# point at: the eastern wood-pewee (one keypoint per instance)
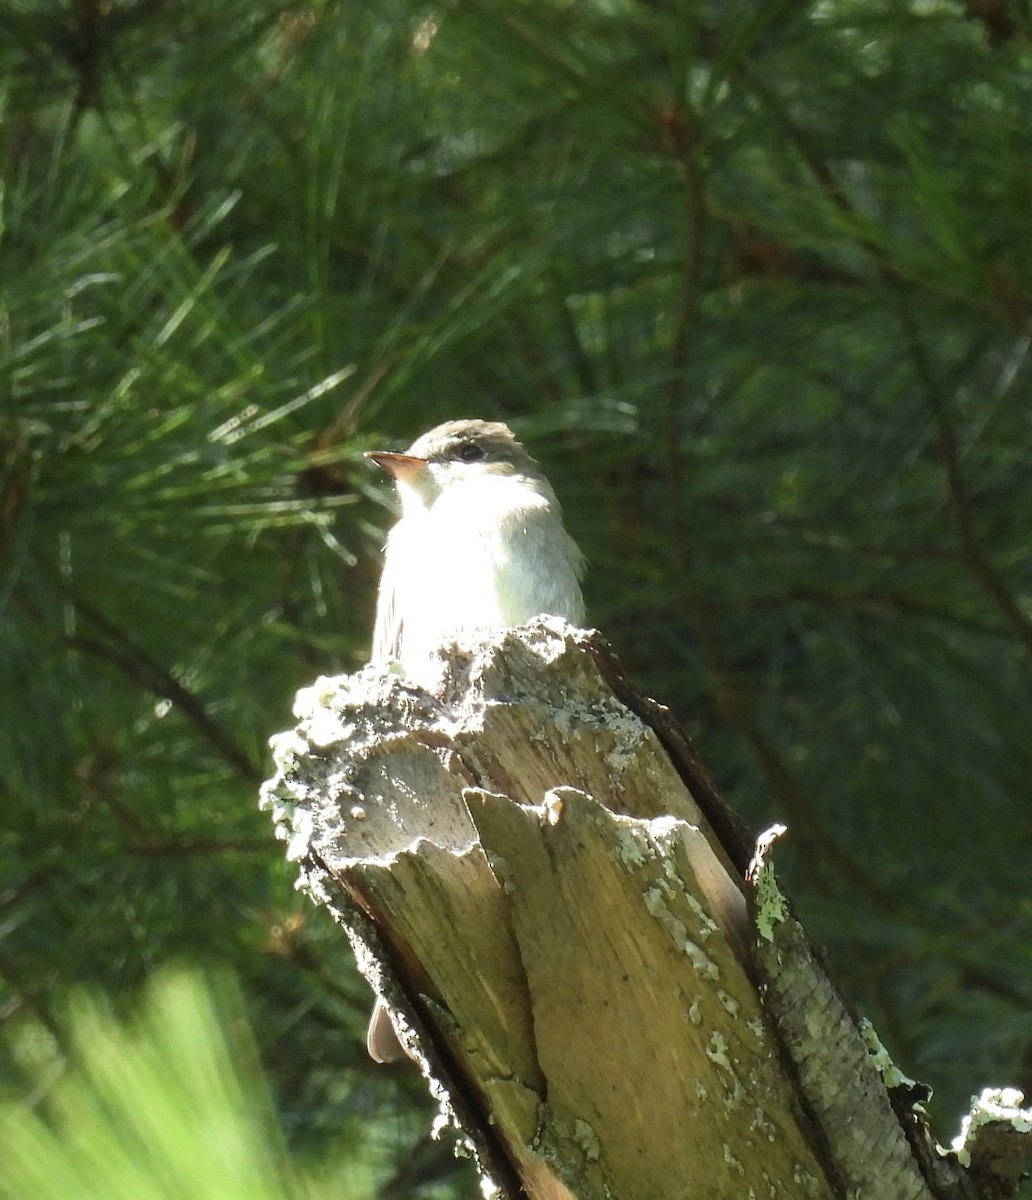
(480, 545)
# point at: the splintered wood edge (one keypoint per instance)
(627, 962)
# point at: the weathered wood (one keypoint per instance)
(551, 896)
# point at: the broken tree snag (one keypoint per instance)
(537, 876)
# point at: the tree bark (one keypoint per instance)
(606, 997)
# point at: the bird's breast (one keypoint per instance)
(484, 555)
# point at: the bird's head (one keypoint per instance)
(457, 451)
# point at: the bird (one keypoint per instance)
(480, 546)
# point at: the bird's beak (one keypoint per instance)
(399, 466)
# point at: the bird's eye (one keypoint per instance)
(470, 452)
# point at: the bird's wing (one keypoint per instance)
(551, 565)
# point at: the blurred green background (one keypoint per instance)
(752, 280)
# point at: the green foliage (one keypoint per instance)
(754, 282)
(166, 1107)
